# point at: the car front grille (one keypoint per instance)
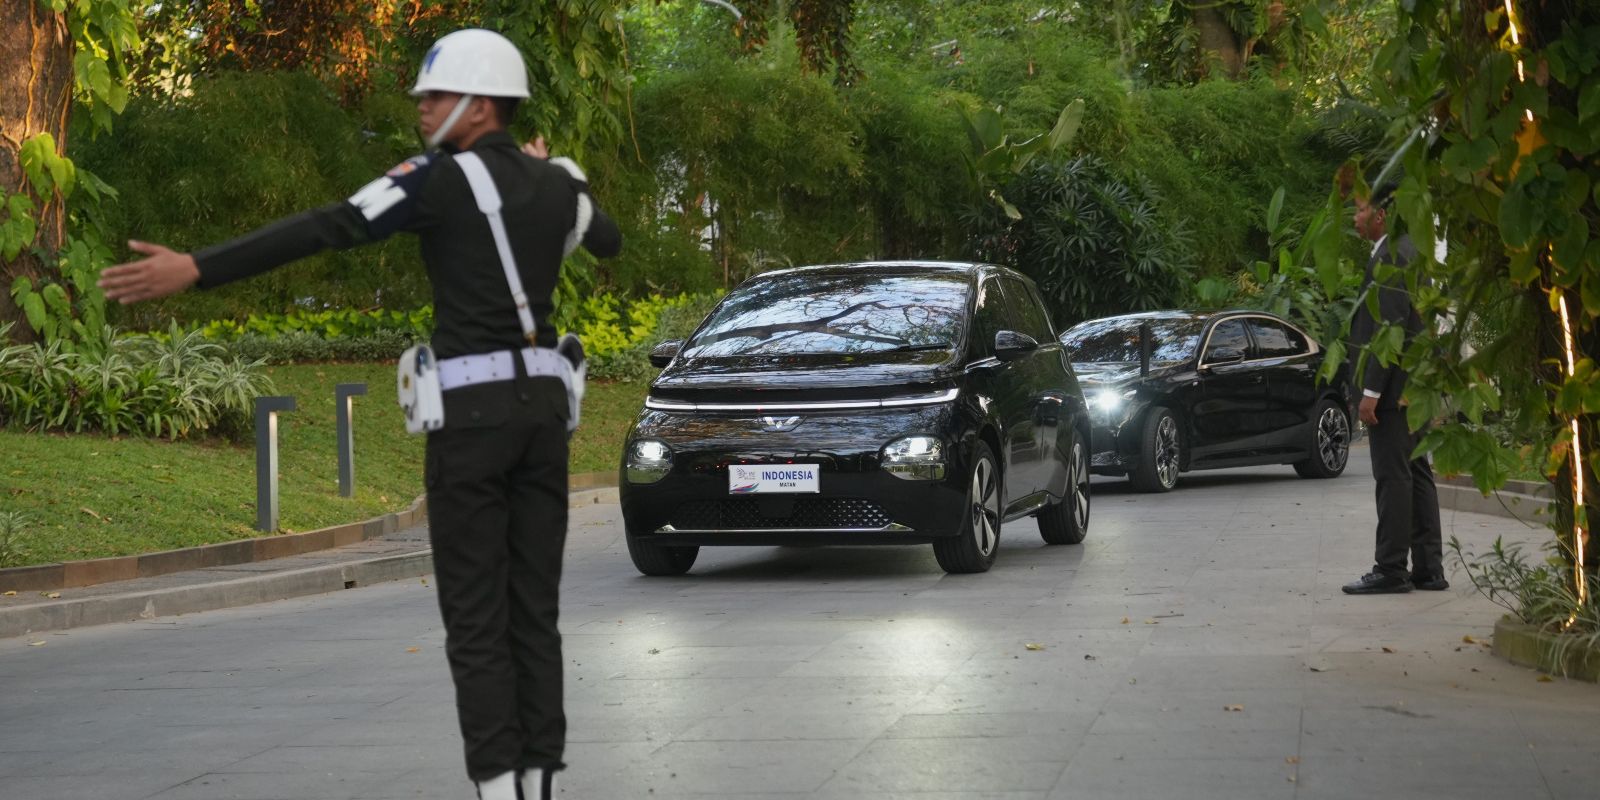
(780, 513)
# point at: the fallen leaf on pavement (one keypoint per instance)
(1388, 649)
(1124, 620)
(51, 595)
(1087, 657)
(39, 643)
(413, 649)
(11, 593)
(1152, 622)
(1292, 760)
(1034, 646)
(1233, 707)
(1469, 640)
(655, 651)
(1545, 679)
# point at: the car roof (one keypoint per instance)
(1176, 313)
(904, 267)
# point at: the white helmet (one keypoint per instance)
(474, 62)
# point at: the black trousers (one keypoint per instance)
(497, 509)
(1408, 502)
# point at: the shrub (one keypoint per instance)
(175, 386)
(1093, 240)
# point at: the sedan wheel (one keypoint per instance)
(1330, 443)
(973, 547)
(1067, 522)
(1161, 456)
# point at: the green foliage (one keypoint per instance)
(1502, 160)
(1314, 279)
(12, 527)
(176, 386)
(238, 152)
(1538, 594)
(1093, 240)
(618, 343)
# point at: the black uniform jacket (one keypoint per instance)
(1395, 308)
(428, 195)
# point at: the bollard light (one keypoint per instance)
(342, 394)
(267, 409)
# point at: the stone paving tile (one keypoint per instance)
(971, 764)
(1107, 776)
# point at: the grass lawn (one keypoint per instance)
(89, 496)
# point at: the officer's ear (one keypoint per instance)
(482, 112)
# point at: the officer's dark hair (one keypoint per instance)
(505, 109)
(1383, 194)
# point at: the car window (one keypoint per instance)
(1277, 340)
(987, 320)
(1027, 314)
(1228, 334)
(1115, 340)
(845, 312)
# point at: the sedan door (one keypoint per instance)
(1290, 363)
(1227, 415)
(1000, 381)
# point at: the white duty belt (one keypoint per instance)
(422, 379)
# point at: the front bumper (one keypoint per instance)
(857, 502)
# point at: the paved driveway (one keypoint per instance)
(1195, 646)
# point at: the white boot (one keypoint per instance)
(500, 787)
(538, 784)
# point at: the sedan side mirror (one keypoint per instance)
(1222, 356)
(1011, 345)
(662, 354)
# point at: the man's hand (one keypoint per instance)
(163, 272)
(1369, 410)
(537, 148)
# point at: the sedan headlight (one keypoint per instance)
(1107, 402)
(915, 458)
(649, 460)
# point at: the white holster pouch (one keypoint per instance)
(421, 395)
(424, 405)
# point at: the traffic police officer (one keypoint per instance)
(496, 473)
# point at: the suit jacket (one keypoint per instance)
(1394, 307)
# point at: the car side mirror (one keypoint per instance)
(662, 354)
(1011, 345)
(1223, 356)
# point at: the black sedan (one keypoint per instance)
(1172, 391)
(881, 403)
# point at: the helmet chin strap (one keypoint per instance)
(450, 122)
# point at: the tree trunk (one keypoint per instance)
(1222, 48)
(35, 97)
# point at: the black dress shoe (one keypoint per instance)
(1379, 583)
(1429, 583)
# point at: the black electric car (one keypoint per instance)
(877, 403)
(1172, 391)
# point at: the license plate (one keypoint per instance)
(773, 478)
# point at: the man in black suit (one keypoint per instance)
(1408, 502)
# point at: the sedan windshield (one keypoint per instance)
(802, 313)
(1116, 340)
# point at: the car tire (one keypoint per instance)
(660, 560)
(1329, 443)
(1067, 522)
(1160, 452)
(977, 540)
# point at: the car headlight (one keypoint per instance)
(1110, 401)
(915, 458)
(649, 460)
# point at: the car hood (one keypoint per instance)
(862, 372)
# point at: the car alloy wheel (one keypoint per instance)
(1166, 451)
(1080, 485)
(976, 540)
(1333, 439)
(985, 500)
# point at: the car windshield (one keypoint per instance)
(1116, 340)
(852, 312)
